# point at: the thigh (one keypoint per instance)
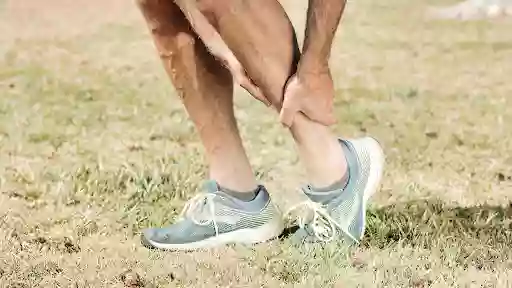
(185, 57)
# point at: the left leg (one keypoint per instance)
(220, 216)
(262, 37)
(343, 174)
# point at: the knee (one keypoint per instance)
(168, 26)
(165, 20)
(171, 47)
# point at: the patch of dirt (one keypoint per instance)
(131, 279)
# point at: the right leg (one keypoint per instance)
(206, 89)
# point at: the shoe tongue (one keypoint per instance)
(211, 186)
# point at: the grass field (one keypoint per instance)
(94, 146)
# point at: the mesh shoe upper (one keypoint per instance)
(214, 213)
(340, 212)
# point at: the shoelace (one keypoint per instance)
(323, 226)
(195, 204)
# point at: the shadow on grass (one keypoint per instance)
(481, 235)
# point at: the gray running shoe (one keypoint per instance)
(216, 218)
(342, 213)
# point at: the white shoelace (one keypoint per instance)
(197, 202)
(323, 226)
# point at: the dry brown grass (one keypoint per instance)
(94, 146)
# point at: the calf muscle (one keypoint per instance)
(262, 38)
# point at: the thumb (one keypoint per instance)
(288, 112)
(254, 90)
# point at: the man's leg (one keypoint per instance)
(262, 37)
(206, 89)
(344, 174)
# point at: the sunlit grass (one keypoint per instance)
(94, 146)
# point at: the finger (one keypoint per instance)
(287, 116)
(255, 91)
(288, 113)
(327, 120)
(245, 82)
(322, 116)
(318, 110)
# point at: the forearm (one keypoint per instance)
(323, 18)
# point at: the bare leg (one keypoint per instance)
(261, 36)
(206, 89)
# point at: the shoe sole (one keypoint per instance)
(376, 169)
(258, 235)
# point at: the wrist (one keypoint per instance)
(310, 65)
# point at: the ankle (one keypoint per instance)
(232, 170)
(326, 166)
(233, 183)
(320, 151)
(336, 186)
(245, 196)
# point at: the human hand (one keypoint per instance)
(311, 93)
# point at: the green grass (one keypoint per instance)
(94, 146)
